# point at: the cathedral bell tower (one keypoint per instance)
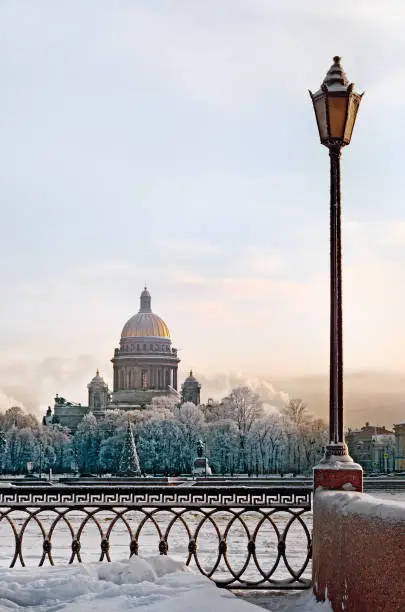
(98, 394)
(190, 390)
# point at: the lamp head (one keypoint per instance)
(336, 105)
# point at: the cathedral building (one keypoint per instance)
(145, 366)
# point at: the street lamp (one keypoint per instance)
(335, 105)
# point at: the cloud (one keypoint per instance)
(372, 234)
(33, 384)
(232, 53)
(257, 306)
(7, 401)
(374, 395)
(218, 386)
(264, 262)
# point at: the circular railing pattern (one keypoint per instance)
(207, 532)
(238, 536)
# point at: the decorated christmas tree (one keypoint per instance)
(3, 449)
(129, 462)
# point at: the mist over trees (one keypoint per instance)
(239, 433)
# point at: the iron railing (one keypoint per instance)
(240, 537)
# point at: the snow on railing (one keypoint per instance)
(240, 537)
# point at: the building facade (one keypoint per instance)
(373, 447)
(68, 414)
(400, 447)
(145, 365)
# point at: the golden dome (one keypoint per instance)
(145, 323)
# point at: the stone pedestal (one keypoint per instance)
(338, 471)
(201, 467)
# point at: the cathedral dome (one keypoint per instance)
(145, 323)
(97, 381)
(191, 378)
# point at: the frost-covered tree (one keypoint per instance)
(87, 444)
(110, 453)
(20, 449)
(191, 423)
(240, 436)
(112, 422)
(267, 438)
(61, 439)
(19, 418)
(223, 446)
(163, 402)
(53, 449)
(244, 407)
(296, 411)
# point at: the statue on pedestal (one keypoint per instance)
(201, 466)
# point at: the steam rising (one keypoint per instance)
(32, 385)
(377, 397)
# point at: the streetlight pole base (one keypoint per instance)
(337, 470)
(337, 449)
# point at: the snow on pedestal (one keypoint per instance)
(358, 552)
(129, 462)
(338, 472)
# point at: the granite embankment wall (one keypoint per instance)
(359, 552)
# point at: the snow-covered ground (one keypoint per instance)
(157, 584)
(152, 585)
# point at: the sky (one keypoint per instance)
(174, 142)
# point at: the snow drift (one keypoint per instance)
(157, 584)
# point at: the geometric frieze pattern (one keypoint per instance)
(237, 497)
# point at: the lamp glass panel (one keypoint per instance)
(321, 117)
(354, 102)
(337, 115)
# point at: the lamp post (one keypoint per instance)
(336, 105)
